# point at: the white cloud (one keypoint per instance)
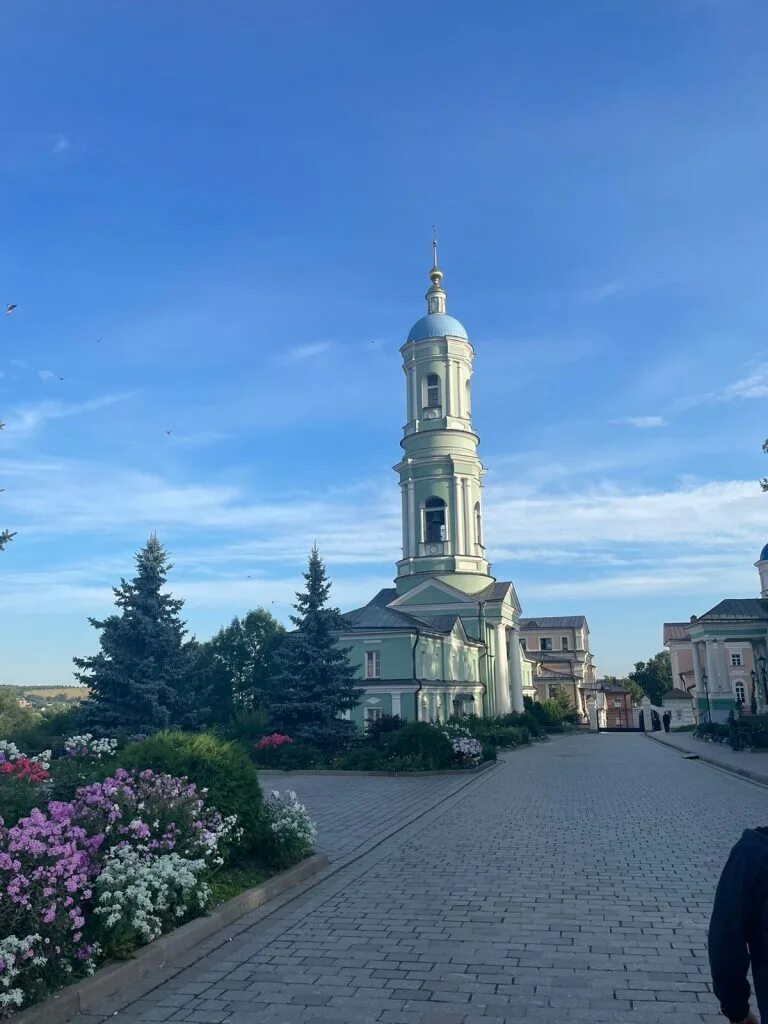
(61, 145)
(604, 291)
(46, 374)
(25, 420)
(302, 352)
(754, 386)
(643, 422)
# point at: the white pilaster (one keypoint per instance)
(404, 496)
(724, 676)
(413, 392)
(396, 704)
(412, 544)
(501, 670)
(468, 545)
(515, 671)
(458, 529)
(448, 402)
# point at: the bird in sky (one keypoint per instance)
(10, 308)
(1, 426)
(168, 432)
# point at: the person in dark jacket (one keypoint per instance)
(738, 930)
(667, 720)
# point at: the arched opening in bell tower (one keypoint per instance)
(434, 520)
(432, 391)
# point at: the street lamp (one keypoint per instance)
(705, 680)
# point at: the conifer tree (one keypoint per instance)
(314, 681)
(139, 679)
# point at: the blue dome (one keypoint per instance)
(764, 554)
(435, 325)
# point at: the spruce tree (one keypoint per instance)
(139, 679)
(314, 681)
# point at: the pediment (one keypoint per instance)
(433, 593)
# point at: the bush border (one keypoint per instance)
(83, 996)
(385, 775)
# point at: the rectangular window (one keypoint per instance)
(524, 643)
(736, 660)
(372, 715)
(563, 643)
(617, 702)
(372, 664)
(545, 643)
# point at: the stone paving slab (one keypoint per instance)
(753, 762)
(572, 884)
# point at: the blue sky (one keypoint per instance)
(216, 221)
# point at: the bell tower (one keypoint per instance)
(440, 472)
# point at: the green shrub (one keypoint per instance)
(405, 763)
(418, 739)
(221, 767)
(246, 725)
(18, 797)
(363, 759)
(489, 752)
(380, 727)
(526, 720)
(47, 732)
(289, 757)
(69, 773)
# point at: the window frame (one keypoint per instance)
(372, 714)
(432, 506)
(436, 386)
(373, 661)
(739, 686)
(565, 643)
(736, 660)
(543, 640)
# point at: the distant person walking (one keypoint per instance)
(667, 720)
(738, 930)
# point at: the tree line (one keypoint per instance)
(150, 674)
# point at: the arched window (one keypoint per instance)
(432, 391)
(434, 520)
(478, 525)
(740, 691)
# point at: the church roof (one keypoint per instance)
(736, 609)
(554, 622)
(676, 694)
(378, 616)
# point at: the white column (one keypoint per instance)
(458, 526)
(404, 495)
(712, 668)
(459, 389)
(697, 676)
(501, 670)
(413, 392)
(515, 671)
(468, 547)
(412, 545)
(448, 403)
(725, 677)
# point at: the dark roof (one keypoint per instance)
(676, 694)
(554, 622)
(613, 688)
(676, 631)
(737, 609)
(493, 592)
(372, 616)
(384, 597)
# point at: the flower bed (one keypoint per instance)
(125, 859)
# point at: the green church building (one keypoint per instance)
(446, 638)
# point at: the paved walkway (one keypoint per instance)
(572, 883)
(754, 763)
